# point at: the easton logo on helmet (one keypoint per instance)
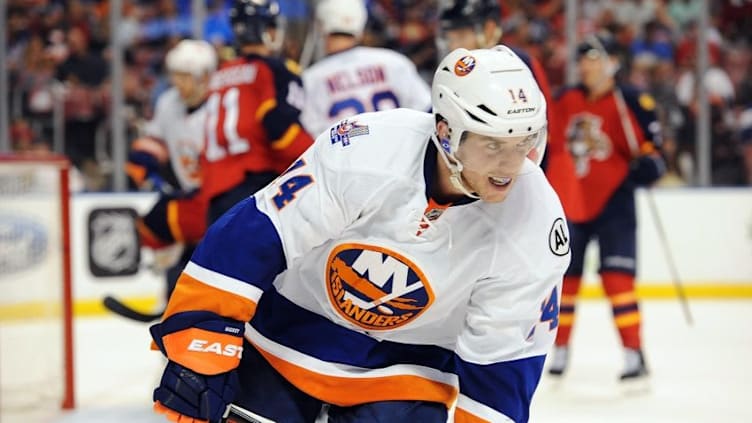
(375, 288)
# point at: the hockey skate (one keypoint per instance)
(635, 377)
(559, 361)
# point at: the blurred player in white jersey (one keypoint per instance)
(406, 268)
(353, 79)
(172, 140)
(166, 157)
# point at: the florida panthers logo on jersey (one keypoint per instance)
(587, 141)
(343, 131)
(375, 288)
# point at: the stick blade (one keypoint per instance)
(237, 414)
(118, 307)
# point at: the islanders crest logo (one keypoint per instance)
(375, 288)
(464, 65)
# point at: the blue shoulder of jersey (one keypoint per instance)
(243, 244)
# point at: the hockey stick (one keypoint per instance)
(669, 257)
(118, 307)
(310, 46)
(238, 414)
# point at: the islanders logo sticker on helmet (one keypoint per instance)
(375, 288)
(464, 65)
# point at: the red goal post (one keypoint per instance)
(36, 308)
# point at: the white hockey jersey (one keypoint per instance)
(181, 129)
(358, 80)
(360, 293)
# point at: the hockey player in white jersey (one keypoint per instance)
(353, 79)
(171, 141)
(407, 268)
(165, 159)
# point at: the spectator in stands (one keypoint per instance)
(726, 161)
(654, 45)
(745, 137)
(409, 27)
(34, 86)
(83, 74)
(683, 12)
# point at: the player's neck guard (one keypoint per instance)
(455, 167)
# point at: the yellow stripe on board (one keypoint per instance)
(659, 292)
(31, 309)
(94, 307)
(81, 308)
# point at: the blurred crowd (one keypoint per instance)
(59, 54)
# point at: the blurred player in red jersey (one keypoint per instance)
(253, 132)
(477, 24)
(613, 134)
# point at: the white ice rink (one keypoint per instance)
(701, 373)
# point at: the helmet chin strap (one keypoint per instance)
(455, 168)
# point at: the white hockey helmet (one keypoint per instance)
(195, 57)
(489, 92)
(342, 16)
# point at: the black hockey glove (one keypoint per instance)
(647, 169)
(183, 391)
(200, 379)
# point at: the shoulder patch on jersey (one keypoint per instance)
(646, 101)
(558, 238)
(344, 130)
(292, 66)
(375, 288)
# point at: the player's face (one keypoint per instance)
(191, 89)
(592, 68)
(491, 165)
(461, 38)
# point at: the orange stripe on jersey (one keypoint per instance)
(434, 205)
(569, 300)
(566, 319)
(347, 391)
(264, 108)
(624, 298)
(464, 416)
(136, 172)
(148, 238)
(647, 148)
(192, 295)
(287, 138)
(628, 319)
(206, 352)
(173, 221)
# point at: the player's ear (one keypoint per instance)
(442, 129)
